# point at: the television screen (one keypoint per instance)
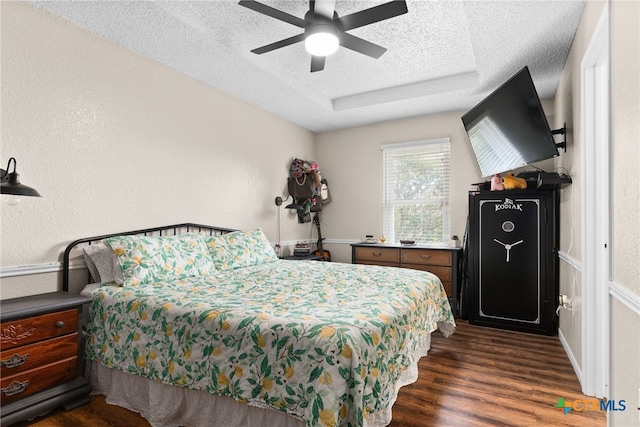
(508, 129)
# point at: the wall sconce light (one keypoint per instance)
(294, 206)
(10, 183)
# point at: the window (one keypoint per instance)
(415, 202)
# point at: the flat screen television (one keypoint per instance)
(508, 129)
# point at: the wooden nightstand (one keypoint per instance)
(443, 261)
(40, 356)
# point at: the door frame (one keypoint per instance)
(595, 130)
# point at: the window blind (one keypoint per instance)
(416, 191)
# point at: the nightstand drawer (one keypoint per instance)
(38, 328)
(18, 386)
(376, 254)
(25, 358)
(426, 256)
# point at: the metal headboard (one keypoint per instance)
(166, 230)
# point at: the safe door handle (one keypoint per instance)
(14, 361)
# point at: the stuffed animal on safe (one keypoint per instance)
(496, 183)
(514, 183)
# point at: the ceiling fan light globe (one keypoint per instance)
(321, 43)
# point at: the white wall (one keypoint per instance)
(351, 160)
(625, 210)
(114, 142)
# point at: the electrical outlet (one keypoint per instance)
(565, 302)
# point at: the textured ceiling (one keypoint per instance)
(442, 55)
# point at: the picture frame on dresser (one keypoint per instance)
(41, 356)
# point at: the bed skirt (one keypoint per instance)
(169, 406)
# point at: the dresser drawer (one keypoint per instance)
(27, 357)
(21, 385)
(444, 273)
(38, 328)
(426, 256)
(380, 263)
(376, 255)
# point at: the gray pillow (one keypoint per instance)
(102, 263)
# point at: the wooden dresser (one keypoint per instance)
(39, 357)
(443, 261)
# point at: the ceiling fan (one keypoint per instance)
(324, 30)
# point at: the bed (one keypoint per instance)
(204, 326)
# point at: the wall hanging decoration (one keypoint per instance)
(310, 192)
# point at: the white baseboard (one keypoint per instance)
(572, 359)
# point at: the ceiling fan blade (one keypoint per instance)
(274, 13)
(317, 63)
(278, 44)
(324, 8)
(362, 46)
(374, 14)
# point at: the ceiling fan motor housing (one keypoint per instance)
(322, 36)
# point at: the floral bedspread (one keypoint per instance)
(324, 342)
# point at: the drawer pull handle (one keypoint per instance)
(423, 256)
(15, 388)
(376, 253)
(14, 361)
(59, 324)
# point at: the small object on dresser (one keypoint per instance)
(302, 249)
(369, 239)
(407, 242)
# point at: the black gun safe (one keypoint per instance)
(513, 261)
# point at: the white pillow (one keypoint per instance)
(240, 249)
(148, 259)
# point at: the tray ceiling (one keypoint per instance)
(442, 55)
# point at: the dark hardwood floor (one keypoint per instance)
(478, 377)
